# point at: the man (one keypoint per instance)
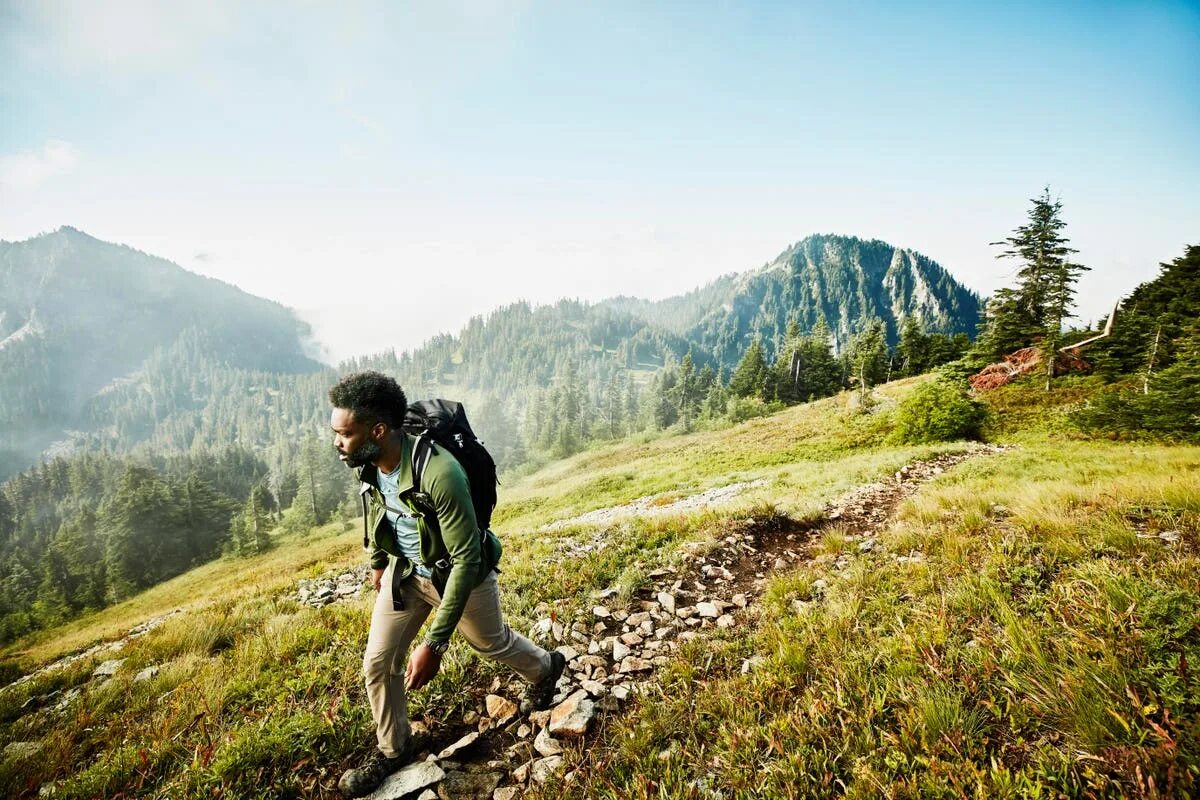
(425, 557)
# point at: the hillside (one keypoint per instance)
(907, 620)
(80, 317)
(841, 280)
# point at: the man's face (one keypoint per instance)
(357, 444)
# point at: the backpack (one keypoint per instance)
(443, 423)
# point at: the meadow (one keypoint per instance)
(1025, 628)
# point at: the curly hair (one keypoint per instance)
(372, 397)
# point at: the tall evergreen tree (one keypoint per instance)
(750, 375)
(1043, 297)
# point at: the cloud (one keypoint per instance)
(122, 36)
(31, 168)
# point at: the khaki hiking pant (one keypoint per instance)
(392, 633)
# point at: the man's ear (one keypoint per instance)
(379, 430)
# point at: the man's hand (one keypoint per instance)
(423, 664)
(377, 577)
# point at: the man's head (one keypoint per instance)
(367, 408)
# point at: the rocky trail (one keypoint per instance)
(612, 652)
(613, 648)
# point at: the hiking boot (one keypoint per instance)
(539, 695)
(364, 779)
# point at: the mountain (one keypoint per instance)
(842, 280)
(106, 347)
(80, 317)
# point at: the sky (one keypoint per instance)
(392, 169)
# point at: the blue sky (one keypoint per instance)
(332, 158)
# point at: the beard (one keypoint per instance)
(362, 455)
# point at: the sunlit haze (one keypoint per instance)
(392, 169)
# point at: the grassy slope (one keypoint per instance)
(1003, 660)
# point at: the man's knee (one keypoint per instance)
(377, 667)
(495, 645)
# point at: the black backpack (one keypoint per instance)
(443, 423)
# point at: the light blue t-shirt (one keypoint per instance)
(404, 524)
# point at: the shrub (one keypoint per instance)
(938, 411)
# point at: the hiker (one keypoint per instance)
(422, 561)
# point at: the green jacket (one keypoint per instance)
(450, 542)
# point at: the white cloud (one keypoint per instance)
(31, 168)
(125, 36)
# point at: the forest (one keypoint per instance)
(198, 458)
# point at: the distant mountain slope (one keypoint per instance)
(79, 316)
(843, 280)
(124, 350)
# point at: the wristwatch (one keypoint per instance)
(438, 647)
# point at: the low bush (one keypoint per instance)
(938, 411)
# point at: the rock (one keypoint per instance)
(631, 639)
(461, 744)
(592, 661)
(593, 647)
(740, 600)
(16, 751)
(620, 651)
(108, 668)
(146, 674)
(663, 633)
(546, 768)
(634, 664)
(752, 663)
(408, 781)
(539, 719)
(428, 794)
(866, 545)
(541, 629)
(725, 621)
(546, 744)
(521, 773)
(686, 612)
(523, 730)
(506, 793)
(602, 612)
(593, 688)
(781, 564)
(637, 619)
(707, 610)
(621, 692)
(604, 594)
(500, 709)
(569, 653)
(667, 601)
(472, 785)
(573, 716)
(1169, 536)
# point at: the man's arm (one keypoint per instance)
(451, 495)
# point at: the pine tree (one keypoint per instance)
(913, 348)
(750, 374)
(868, 357)
(1043, 297)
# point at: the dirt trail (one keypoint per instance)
(613, 653)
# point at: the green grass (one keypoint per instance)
(1042, 649)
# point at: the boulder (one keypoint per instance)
(573, 716)
(500, 709)
(461, 744)
(468, 785)
(409, 780)
(547, 768)
(546, 744)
